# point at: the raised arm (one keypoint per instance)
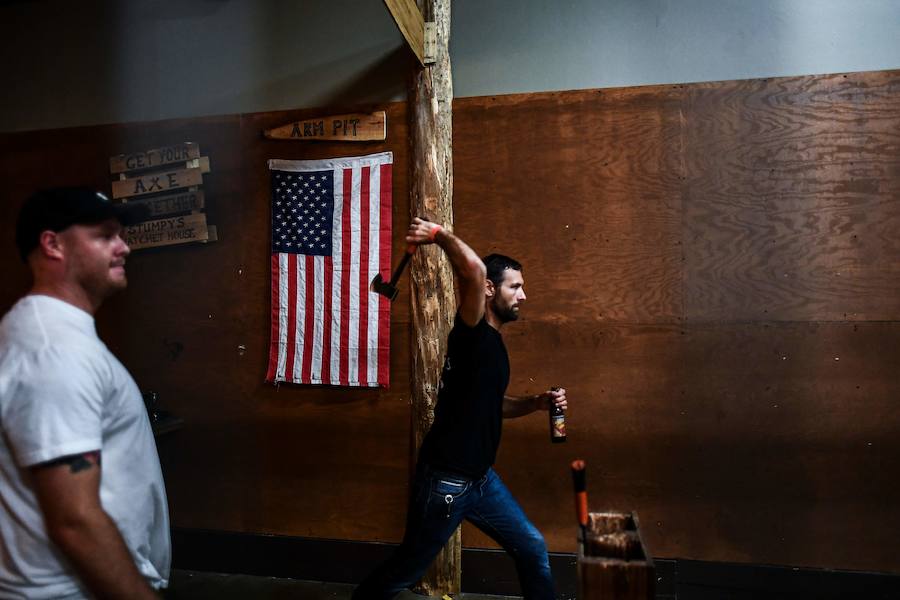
(68, 491)
(469, 270)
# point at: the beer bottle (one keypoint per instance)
(557, 421)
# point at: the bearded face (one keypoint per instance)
(504, 304)
(504, 311)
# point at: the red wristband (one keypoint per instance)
(434, 232)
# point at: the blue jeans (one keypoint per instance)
(438, 504)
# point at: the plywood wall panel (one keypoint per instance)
(730, 416)
(796, 445)
(790, 205)
(582, 187)
(734, 441)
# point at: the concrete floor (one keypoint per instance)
(197, 585)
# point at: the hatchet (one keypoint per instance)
(389, 289)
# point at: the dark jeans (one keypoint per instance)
(438, 504)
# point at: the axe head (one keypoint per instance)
(380, 286)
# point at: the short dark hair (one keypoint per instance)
(496, 264)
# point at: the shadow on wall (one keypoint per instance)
(384, 80)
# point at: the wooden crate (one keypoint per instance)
(614, 563)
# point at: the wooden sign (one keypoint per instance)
(165, 232)
(166, 181)
(353, 127)
(201, 163)
(169, 204)
(154, 158)
(157, 182)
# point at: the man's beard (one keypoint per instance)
(504, 313)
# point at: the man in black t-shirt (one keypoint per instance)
(454, 477)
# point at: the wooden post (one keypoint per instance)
(433, 297)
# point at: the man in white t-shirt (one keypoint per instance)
(83, 509)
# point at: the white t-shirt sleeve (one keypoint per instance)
(56, 410)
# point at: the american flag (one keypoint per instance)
(331, 233)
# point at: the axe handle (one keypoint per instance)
(581, 502)
(410, 250)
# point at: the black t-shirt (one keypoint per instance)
(469, 413)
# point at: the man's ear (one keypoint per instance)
(50, 245)
(489, 288)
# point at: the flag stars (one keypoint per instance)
(303, 210)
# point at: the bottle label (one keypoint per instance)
(559, 427)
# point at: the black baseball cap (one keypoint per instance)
(57, 209)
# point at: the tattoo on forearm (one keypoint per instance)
(77, 462)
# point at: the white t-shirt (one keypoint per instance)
(62, 392)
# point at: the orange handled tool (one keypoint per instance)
(581, 501)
